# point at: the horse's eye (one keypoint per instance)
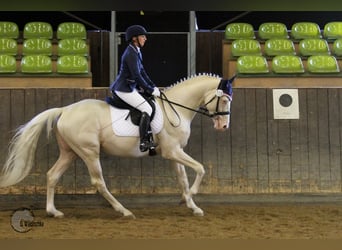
(224, 101)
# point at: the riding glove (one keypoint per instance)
(156, 92)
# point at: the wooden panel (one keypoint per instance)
(302, 161)
(5, 128)
(284, 155)
(334, 139)
(323, 139)
(251, 141)
(209, 52)
(299, 151)
(273, 147)
(99, 51)
(262, 139)
(313, 140)
(238, 130)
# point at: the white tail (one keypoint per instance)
(23, 147)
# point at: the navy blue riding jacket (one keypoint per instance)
(132, 73)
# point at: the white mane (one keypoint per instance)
(191, 78)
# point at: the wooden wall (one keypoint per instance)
(99, 56)
(209, 52)
(256, 155)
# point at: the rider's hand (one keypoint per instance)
(156, 92)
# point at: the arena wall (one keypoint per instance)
(258, 154)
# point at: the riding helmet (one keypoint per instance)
(135, 30)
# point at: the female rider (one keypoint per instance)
(133, 79)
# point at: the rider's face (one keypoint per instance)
(141, 40)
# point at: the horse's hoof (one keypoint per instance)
(198, 212)
(129, 216)
(59, 216)
(56, 214)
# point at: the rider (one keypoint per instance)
(133, 79)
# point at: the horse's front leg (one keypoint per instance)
(180, 159)
(182, 180)
(186, 194)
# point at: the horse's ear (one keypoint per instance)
(231, 80)
(229, 86)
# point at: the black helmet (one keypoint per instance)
(135, 30)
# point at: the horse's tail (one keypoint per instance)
(23, 146)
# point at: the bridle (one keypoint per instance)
(203, 110)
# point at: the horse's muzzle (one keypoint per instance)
(221, 124)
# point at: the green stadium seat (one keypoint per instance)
(252, 65)
(287, 64)
(302, 30)
(9, 30)
(337, 47)
(38, 30)
(37, 46)
(239, 31)
(8, 46)
(72, 46)
(71, 30)
(8, 64)
(281, 46)
(72, 64)
(241, 47)
(322, 64)
(272, 30)
(332, 30)
(36, 64)
(313, 46)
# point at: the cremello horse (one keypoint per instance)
(84, 127)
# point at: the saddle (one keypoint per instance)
(134, 113)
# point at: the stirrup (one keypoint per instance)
(146, 145)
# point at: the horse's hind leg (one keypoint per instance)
(66, 157)
(97, 180)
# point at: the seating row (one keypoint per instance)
(299, 30)
(285, 46)
(9, 46)
(43, 64)
(43, 30)
(287, 64)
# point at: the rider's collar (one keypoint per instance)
(136, 49)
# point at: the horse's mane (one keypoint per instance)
(181, 81)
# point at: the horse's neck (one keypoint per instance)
(192, 92)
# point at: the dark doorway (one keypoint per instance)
(165, 57)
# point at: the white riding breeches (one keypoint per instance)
(135, 100)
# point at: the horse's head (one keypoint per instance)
(218, 104)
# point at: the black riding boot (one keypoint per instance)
(146, 138)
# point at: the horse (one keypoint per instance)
(83, 128)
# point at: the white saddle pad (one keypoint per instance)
(124, 127)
